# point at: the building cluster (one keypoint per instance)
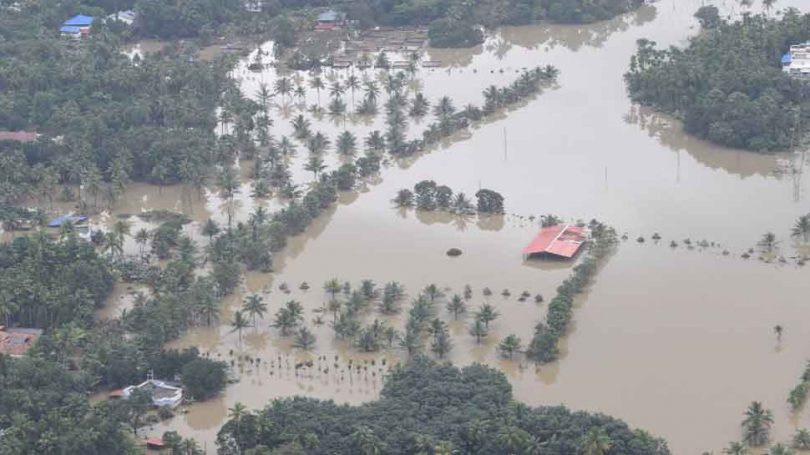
(79, 26)
(796, 62)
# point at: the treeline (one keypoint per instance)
(429, 196)
(727, 84)
(544, 344)
(430, 408)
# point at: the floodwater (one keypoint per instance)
(675, 341)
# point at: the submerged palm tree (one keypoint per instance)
(238, 323)
(317, 83)
(757, 424)
(801, 230)
(254, 306)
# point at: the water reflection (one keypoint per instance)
(669, 132)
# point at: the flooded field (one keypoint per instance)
(674, 341)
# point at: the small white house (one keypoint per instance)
(162, 393)
(796, 62)
(127, 17)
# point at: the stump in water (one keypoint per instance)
(453, 252)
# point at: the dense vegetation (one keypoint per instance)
(727, 84)
(429, 408)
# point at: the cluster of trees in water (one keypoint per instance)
(544, 345)
(427, 195)
(727, 85)
(756, 433)
(430, 408)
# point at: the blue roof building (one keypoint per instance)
(71, 30)
(787, 59)
(58, 222)
(79, 21)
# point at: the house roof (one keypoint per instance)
(20, 136)
(17, 341)
(560, 240)
(329, 16)
(155, 442)
(79, 21)
(70, 29)
(57, 222)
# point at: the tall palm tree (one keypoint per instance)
(254, 306)
(352, 83)
(375, 142)
(595, 442)
(304, 339)
(317, 83)
(301, 127)
(336, 90)
(315, 165)
(456, 305)
(510, 345)
(142, 238)
(333, 287)
(768, 243)
(346, 144)
(757, 424)
(479, 330)
(486, 313)
(801, 439)
(801, 230)
(210, 229)
(264, 96)
(372, 91)
(283, 86)
(238, 323)
(286, 146)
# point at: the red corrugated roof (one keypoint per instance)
(155, 442)
(21, 136)
(560, 240)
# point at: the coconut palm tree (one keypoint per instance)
(286, 146)
(352, 83)
(346, 144)
(801, 230)
(757, 424)
(371, 91)
(366, 442)
(332, 287)
(318, 143)
(300, 92)
(441, 343)
(336, 90)
(509, 346)
(375, 142)
(456, 305)
(304, 339)
(300, 127)
(433, 293)
(142, 238)
(315, 165)
(595, 442)
(254, 306)
(479, 330)
(264, 96)
(317, 83)
(238, 323)
(283, 86)
(486, 313)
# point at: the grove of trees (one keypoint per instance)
(727, 85)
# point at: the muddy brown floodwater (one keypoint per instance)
(674, 341)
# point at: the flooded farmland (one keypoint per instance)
(676, 341)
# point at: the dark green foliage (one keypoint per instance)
(469, 408)
(454, 33)
(44, 410)
(727, 84)
(48, 284)
(203, 378)
(585, 11)
(489, 201)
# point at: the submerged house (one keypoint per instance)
(796, 62)
(329, 20)
(77, 26)
(17, 341)
(163, 394)
(559, 241)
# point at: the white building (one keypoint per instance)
(127, 17)
(796, 62)
(162, 393)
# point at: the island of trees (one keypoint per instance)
(727, 85)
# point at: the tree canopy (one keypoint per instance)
(727, 84)
(424, 406)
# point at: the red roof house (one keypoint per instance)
(562, 240)
(19, 136)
